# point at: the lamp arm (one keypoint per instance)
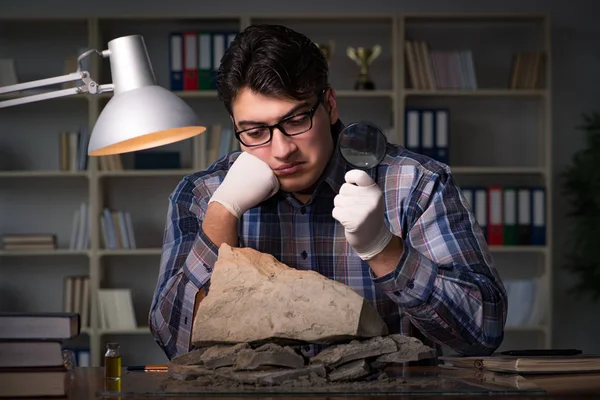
(89, 86)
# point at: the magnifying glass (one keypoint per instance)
(362, 144)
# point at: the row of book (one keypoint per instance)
(73, 148)
(29, 241)
(31, 349)
(76, 297)
(80, 228)
(116, 309)
(439, 69)
(427, 132)
(195, 57)
(117, 230)
(509, 216)
(527, 71)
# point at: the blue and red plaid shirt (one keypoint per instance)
(444, 285)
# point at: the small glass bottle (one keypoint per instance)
(112, 361)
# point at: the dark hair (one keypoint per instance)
(272, 60)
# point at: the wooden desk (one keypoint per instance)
(89, 383)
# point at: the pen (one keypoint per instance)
(148, 368)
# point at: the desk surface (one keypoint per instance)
(426, 382)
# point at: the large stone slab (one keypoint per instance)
(254, 298)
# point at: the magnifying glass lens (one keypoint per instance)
(362, 144)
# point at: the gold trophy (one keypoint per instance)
(327, 49)
(364, 57)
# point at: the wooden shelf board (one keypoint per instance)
(499, 170)
(43, 174)
(146, 173)
(130, 252)
(475, 93)
(58, 252)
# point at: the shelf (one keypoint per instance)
(43, 174)
(130, 252)
(519, 249)
(499, 170)
(59, 252)
(526, 328)
(475, 93)
(364, 93)
(212, 94)
(142, 330)
(146, 173)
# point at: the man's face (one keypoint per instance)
(297, 161)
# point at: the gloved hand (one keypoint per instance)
(359, 207)
(248, 182)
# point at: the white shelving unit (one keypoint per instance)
(484, 124)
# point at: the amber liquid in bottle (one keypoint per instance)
(112, 367)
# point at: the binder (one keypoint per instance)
(442, 138)
(176, 57)
(511, 236)
(524, 216)
(481, 209)
(219, 45)
(412, 139)
(427, 133)
(495, 223)
(205, 61)
(538, 212)
(190, 66)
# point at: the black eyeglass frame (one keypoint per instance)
(310, 113)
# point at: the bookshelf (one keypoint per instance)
(498, 136)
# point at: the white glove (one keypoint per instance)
(359, 207)
(248, 182)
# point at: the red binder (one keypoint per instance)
(495, 220)
(190, 61)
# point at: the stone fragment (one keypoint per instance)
(409, 349)
(186, 372)
(268, 355)
(271, 377)
(350, 371)
(222, 356)
(336, 355)
(192, 357)
(255, 298)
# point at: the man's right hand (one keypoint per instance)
(248, 182)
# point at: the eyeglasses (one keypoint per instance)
(290, 126)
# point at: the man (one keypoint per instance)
(400, 235)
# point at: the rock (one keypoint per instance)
(186, 372)
(192, 357)
(271, 377)
(350, 371)
(409, 349)
(255, 298)
(336, 355)
(222, 356)
(269, 355)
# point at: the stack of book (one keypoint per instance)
(31, 359)
(29, 242)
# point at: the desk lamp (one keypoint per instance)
(139, 116)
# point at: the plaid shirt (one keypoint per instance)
(444, 284)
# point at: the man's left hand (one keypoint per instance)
(360, 208)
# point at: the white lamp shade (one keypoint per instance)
(142, 118)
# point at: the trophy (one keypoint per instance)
(327, 49)
(364, 57)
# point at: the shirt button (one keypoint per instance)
(303, 210)
(304, 255)
(410, 284)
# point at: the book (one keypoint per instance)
(52, 325)
(527, 365)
